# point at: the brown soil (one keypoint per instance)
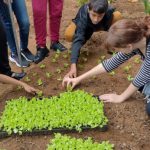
(129, 127)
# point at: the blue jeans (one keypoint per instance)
(20, 11)
(146, 92)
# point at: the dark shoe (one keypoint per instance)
(56, 46)
(27, 55)
(41, 54)
(18, 76)
(14, 58)
(148, 105)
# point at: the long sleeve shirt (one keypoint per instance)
(85, 29)
(143, 75)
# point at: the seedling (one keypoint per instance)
(58, 70)
(40, 94)
(42, 66)
(127, 68)
(19, 87)
(137, 60)
(101, 59)
(56, 56)
(34, 74)
(69, 110)
(84, 59)
(48, 74)
(59, 78)
(64, 142)
(69, 51)
(66, 65)
(130, 78)
(65, 56)
(112, 73)
(27, 79)
(54, 60)
(39, 82)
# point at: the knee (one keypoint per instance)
(70, 31)
(116, 16)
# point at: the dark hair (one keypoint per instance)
(98, 6)
(127, 31)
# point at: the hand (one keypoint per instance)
(7, 1)
(113, 98)
(70, 81)
(30, 89)
(73, 72)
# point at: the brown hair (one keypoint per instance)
(127, 31)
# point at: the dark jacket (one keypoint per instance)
(85, 29)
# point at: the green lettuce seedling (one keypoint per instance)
(69, 110)
(130, 78)
(64, 142)
(42, 66)
(39, 82)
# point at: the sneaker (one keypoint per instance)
(27, 55)
(148, 105)
(58, 46)
(14, 58)
(42, 52)
(15, 75)
(18, 76)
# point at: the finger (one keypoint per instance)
(75, 75)
(71, 76)
(68, 83)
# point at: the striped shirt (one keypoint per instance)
(143, 75)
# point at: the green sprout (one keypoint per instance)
(59, 78)
(58, 70)
(127, 68)
(65, 142)
(54, 60)
(130, 78)
(40, 94)
(27, 79)
(65, 56)
(137, 60)
(112, 73)
(48, 74)
(34, 74)
(42, 66)
(66, 65)
(39, 82)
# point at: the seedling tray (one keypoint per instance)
(4, 134)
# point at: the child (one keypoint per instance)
(6, 79)
(40, 18)
(20, 11)
(91, 17)
(4, 63)
(127, 34)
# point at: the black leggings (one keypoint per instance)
(4, 63)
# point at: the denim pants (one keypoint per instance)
(146, 92)
(4, 63)
(20, 11)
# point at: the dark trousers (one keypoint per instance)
(4, 63)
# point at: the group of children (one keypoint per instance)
(94, 16)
